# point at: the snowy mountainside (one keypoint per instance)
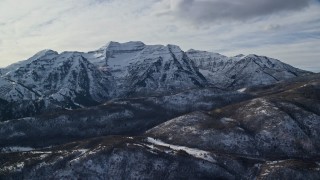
(115, 56)
(146, 69)
(71, 80)
(136, 111)
(242, 71)
(41, 54)
(163, 69)
(64, 77)
(282, 122)
(271, 133)
(12, 91)
(116, 69)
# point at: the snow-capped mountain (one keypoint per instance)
(157, 112)
(64, 77)
(145, 69)
(241, 71)
(115, 56)
(40, 54)
(163, 69)
(81, 79)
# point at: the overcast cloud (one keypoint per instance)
(219, 10)
(285, 29)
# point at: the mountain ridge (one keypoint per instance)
(74, 79)
(137, 111)
(255, 137)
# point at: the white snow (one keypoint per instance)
(17, 134)
(82, 155)
(204, 55)
(127, 46)
(41, 152)
(206, 73)
(15, 149)
(205, 155)
(318, 168)
(266, 172)
(274, 162)
(242, 90)
(227, 120)
(272, 165)
(15, 167)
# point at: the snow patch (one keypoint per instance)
(274, 162)
(227, 120)
(15, 149)
(16, 167)
(82, 153)
(205, 155)
(242, 90)
(206, 73)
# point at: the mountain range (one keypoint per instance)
(71, 80)
(137, 111)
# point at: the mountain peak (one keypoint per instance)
(127, 46)
(173, 46)
(251, 56)
(194, 51)
(43, 53)
(210, 56)
(239, 55)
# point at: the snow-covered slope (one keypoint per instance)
(77, 79)
(46, 53)
(64, 77)
(163, 69)
(12, 91)
(115, 56)
(283, 123)
(146, 69)
(242, 71)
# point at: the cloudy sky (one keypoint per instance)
(285, 29)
